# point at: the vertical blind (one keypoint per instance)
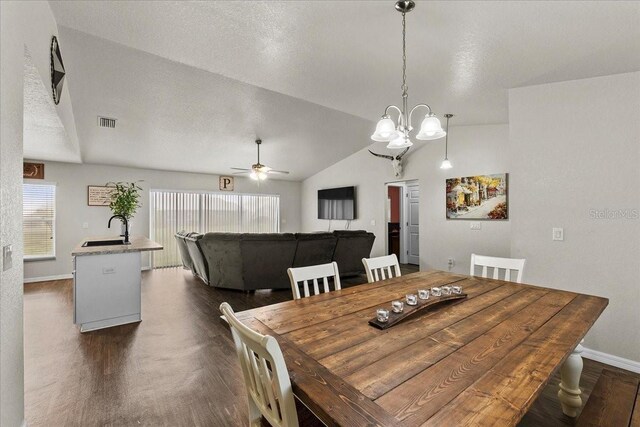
(38, 219)
(172, 211)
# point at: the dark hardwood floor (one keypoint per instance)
(175, 368)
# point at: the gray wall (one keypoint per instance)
(473, 150)
(72, 210)
(576, 148)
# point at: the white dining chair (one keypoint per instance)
(265, 374)
(313, 273)
(507, 264)
(376, 267)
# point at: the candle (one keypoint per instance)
(423, 293)
(397, 306)
(412, 299)
(436, 292)
(383, 315)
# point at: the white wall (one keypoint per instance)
(30, 25)
(576, 147)
(72, 210)
(473, 150)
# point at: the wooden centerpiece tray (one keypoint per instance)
(410, 310)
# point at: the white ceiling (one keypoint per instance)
(174, 117)
(193, 83)
(345, 55)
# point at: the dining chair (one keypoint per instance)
(313, 272)
(496, 263)
(376, 267)
(265, 374)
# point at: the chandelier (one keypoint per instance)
(397, 136)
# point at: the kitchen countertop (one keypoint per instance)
(138, 244)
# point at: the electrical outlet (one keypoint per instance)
(85, 225)
(557, 234)
(7, 257)
(476, 226)
(450, 263)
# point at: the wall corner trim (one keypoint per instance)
(610, 359)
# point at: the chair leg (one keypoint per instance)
(570, 393)
(255, 416)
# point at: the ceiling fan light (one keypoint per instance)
(401, 141)
(430, 129)
(262, 176)
(446, 164)
(385, 130)
(253, 175)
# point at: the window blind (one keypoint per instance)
(172, 211)
(39, 216)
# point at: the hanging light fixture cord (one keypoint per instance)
(405, 88)
(446, 139)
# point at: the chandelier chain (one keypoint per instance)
(404, 55)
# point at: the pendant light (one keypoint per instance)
(446, 164)
(397, 136)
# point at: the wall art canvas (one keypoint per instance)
(478, 197)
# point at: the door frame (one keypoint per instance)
(404, 217)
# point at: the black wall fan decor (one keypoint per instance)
(57, 70)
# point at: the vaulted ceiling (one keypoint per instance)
(192, 83)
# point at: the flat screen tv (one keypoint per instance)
(337, 203)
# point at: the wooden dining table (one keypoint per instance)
(482, 360)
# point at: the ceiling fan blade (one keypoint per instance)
(241, 169)
(242, 173)
(279, 172)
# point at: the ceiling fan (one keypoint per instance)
(258, 171)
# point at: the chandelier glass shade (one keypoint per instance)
(397, 135)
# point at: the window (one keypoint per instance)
(172, 211)
(39, 221)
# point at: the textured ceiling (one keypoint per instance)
(463, 56)
(45, 137)
(174, 117)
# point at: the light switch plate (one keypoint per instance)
(476, 226)
(558, 234)
(85, 225)
(7, 257)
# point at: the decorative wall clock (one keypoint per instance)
(57, 70)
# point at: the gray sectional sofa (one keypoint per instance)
(247, 261)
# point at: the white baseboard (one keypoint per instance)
(60, 277)
(610, 359)
(47, 278)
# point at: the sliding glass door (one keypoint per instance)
(172, 211)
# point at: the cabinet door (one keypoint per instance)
(107, 286)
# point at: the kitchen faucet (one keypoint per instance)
(126, 227)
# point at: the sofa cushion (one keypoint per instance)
(314, 249)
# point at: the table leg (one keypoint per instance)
(569, 393)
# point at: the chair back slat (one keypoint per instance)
(497, 264)
(265, 374)
(314, 272)
(381, 268)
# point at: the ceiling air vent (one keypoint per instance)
(106, 122)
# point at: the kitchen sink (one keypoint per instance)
(90, 243)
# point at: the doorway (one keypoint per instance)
(403, 223)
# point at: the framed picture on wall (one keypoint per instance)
(99, 195)
(480, 197)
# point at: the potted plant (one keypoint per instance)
(125, 200)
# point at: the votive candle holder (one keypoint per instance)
(412, 299)
(423, 293)
(383, 315)
(436, 291)
(397, 306)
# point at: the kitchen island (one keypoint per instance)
(107, 281)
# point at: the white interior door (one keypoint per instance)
(413, 224)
